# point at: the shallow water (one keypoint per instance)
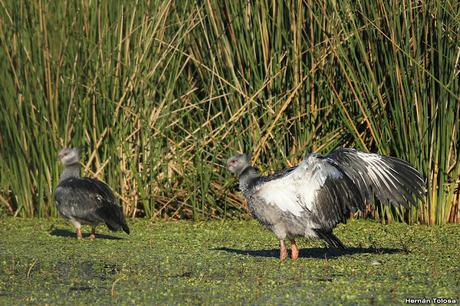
(230, 262)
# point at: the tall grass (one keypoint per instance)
(161, 93)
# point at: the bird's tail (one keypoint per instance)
(114, 218)
(125, 228)
(330, 238)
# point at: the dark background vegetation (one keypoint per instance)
(161, 93)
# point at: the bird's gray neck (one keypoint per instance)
(247, 177)
(70, 171)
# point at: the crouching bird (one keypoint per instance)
(84, 200)
(309, 200)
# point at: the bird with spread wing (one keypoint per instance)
(309, 200)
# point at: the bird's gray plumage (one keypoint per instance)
(84, 200)
(313, 197)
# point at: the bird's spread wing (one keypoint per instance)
(389, 179)
(328, 188)
(315, 187)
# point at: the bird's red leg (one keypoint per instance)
(93, 233)
(79, 235)
(283, 251)
(294, 250)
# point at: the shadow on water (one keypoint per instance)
(84, 271)
(80, 288)
(313, 252)
(67, 233)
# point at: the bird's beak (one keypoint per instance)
(230, 164)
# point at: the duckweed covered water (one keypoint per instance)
(223, 262)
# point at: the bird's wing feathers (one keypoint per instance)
(85, 198)
(329, 187)
(389, 179)
(315, 187)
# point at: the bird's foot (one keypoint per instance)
(79, 235)
(283, 251)
(294, 250)
(92, 236)
(283, 255)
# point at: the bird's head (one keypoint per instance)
(69, 156)
(238, 163)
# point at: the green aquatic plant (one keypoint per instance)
(223, 262)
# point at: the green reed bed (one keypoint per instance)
(161, 93)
